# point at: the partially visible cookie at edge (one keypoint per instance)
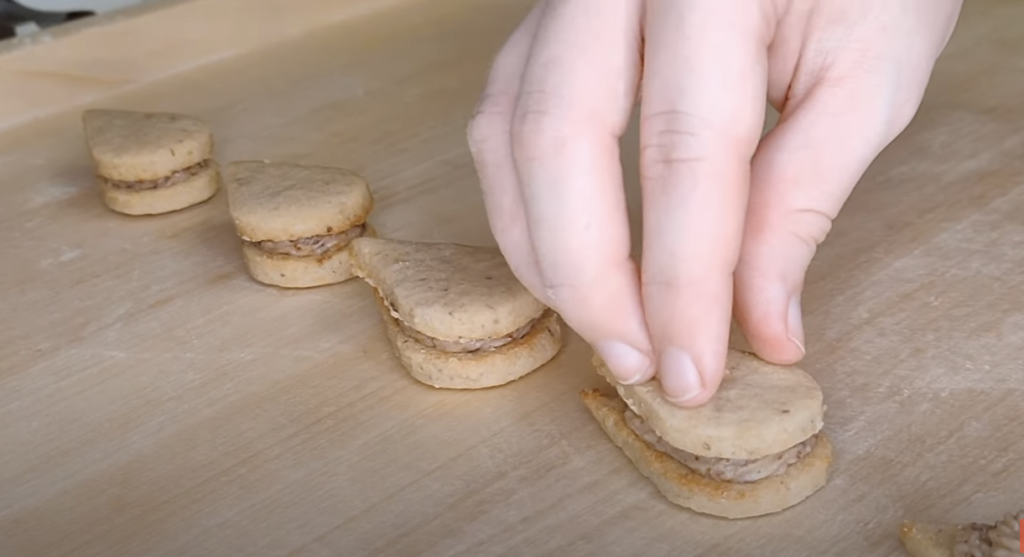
(1001, 539)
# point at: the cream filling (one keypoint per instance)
(171, 179)
(999, 540)
(466, 345)
(313, 246)
(722, 469)
(462, 345)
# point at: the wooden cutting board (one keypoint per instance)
(156, 401)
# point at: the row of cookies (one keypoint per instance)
(457, 318)
(456, 315)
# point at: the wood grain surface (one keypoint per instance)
(154, 400)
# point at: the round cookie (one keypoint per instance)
(285, 201)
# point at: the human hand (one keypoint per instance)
(731, 220)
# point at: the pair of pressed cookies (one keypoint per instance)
(456, 316)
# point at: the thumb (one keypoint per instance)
(801, 175)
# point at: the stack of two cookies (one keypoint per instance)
(756, 448)
(148, 163)
(296, 222)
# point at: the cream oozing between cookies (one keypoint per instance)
(463, 345)
(172, 179)
(311, 246)
(722, 469)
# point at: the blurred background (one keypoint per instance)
(20, 18)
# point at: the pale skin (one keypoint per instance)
(731, 219)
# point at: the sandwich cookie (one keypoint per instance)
(456, 316)
(151, 163)
(296, 221)
(1001, 539)
(755, 448)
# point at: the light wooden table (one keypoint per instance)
(156, 401)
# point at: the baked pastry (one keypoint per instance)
(1001, 539)
(755, 448)
(456, 315)
(149, 163)
(297, 221)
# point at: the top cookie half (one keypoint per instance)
(134, 146)
(446, 291)
(759, 409)
(285, 201)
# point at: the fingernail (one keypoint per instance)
(795, 324)
(625, 360)
(677, 368)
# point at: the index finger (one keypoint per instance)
(704, 99)
(575, 102)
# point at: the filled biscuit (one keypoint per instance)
(456, 315)
(296, 221)
(149, 163)
(755, 448)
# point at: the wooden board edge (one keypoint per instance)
(77, 63)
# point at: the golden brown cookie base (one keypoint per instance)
(288, 271)
(474, 370)
(193, 191)
(690, 490)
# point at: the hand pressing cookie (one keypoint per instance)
(151, 163)
(756, 448)
(1001, 539)
(297, 221)
(456, 315)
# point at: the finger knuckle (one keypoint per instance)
(670, 144)
(888, 96)
(903, 113)
(540, 128)
(810, 226)
(487, 126)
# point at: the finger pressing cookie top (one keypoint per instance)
(297, 221)
(756, 448)
(151, 162)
